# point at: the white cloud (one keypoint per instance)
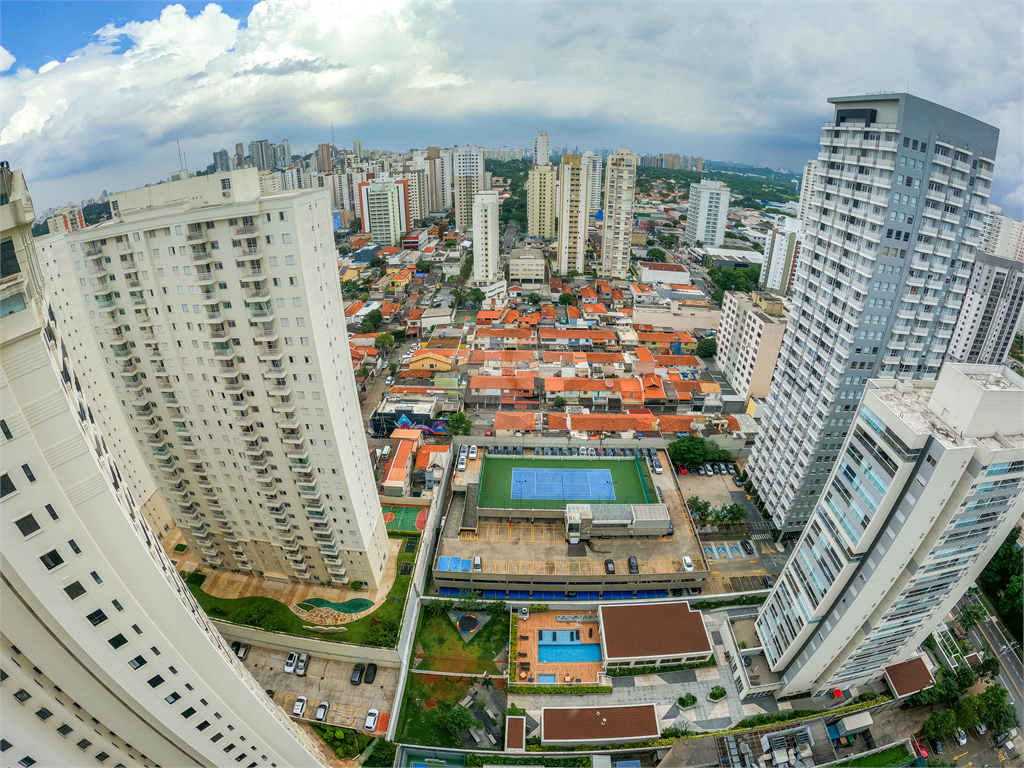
(6, 59)
(750, 76)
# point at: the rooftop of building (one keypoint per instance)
(909, 677)
(597, 724)
(669, 629)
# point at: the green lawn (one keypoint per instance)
(496, 491)
(897, 755)
(446, 652)
(279, 613)
(418, 723)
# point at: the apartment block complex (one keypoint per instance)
(106, 655)
(749, 338)
(620, 185)
(68, 219)
(806, 186)
(218, 313)
(894, 223)
(1002, 235)
(990, 313)
(526, 268)
(573, 204)
(926, 488)
(541, 202)
(486, 245)
(468, 170)
(707, 214)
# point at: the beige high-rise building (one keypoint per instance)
(323, 158)
(468, 166)
(542, 148)
(107, 657)
(573, 205)
(749, 337)
(541, 202)
(218, 313)
(620, 185)
(419, 203)
(486, 245)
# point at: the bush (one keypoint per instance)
(258, 615)
(383, 754)
(180, 547)
(686, 701)
(514, 711)
(675, 733)
(536, 688)
(193, 578)
(478, 761)
(717, 693)
(384, 635)
(355, 586)
(632, 671)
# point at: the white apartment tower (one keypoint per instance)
(990, 313)
(781, 251)
(749, 337)
(1001, 235)
(468, 165)
(707, 213)
(541, 202)
(806, 185)
(486, 245)
(106, 655)
(620, 184)
(542, 148)
(357, 149)
(573, 204)
(384, 207)
(895, 217)
(927, 487)
(218, 312)
(594, 164)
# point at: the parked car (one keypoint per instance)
(767, 582)
(609, 566)
(634, 567)
(488, 433)
(701, 471)
(472, 452)
(371, 673)
(746, 661)
(464, 450)
(462, 464)
(371, 721)
(591, 452)
(575, 450)
(687, 563)
(300, 706)
(303, 665)
(243, 651)
(564, 451)
(681, 469)
(357, 674)
(269, 692)
(747, 547)
(519, 450)
(235, 646)
(290, 662)
(731, 468)
(736, 481)
(937, 744)
(657, 469)
(321, 711)
(961, 737)
(389, 379)
(981, 729)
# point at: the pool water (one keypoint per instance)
(355, 605)
(547, 679)
(569, 652)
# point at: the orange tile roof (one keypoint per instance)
(683, 337)
(416, 314)
(640, 288)
(643, 354)
(351, 309)
(595, 309)
(578, 384)
(602, 422)
(548, 311)
(588, 293)
(504, 333)
(691, 361)
(573, 313)
(397, 469)
(653, 387)
(388, 251)
(586, 357)
(426, 453)
(432, 351)
(582, 333)
(488, 314)
(479, 356)
(520, 380)
(523, 422)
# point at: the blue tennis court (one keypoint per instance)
(574, 484)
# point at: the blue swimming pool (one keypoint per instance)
(569, 652)
(547, 679)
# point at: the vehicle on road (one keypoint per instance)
(472, 452)
(357, 674)
(389, 380)
(302, 665)
(321, 711)
(609, 566)
(488, 433)
(290, 662)
(371, 673)
(371, 721)
(269, 692)
(300, 706)
(736, 481)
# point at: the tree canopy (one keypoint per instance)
(707, 347)
(566, 299)
(1003, 578)
(459, 424)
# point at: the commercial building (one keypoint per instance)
(707, 214)
(990, 313)
(468, 169)
(486, 245)
(542, 148)
(749, 338)
(781, 251)
(218, 314)
(620, 185)
(526, 268)
(573, 206)
(541, 202)
(107, 656)
(880, 283)
(927, 488)
(384, 209)
(594, 164)
(673, 634)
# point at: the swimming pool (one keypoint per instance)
(569, 652)
(547, 679)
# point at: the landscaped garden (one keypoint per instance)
(380, 628)
(468, 643)
(897, 755)
(431, 714)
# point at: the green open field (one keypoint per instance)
(445, 651)
(496, 481)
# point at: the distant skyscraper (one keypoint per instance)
(594, 164)
(239, 155)
(707, 213)
(620, 184)
(486, 246)
(889, 241)
(700, 165)
(806, 185)
(357, 148)
(573, 197)
(542, 149)
(468, 165)
(286, 151)
(540, 202)
(323, 158)
(259, 155)
(990, 313)
(222, 161)
(1002, 236)
(506, 154)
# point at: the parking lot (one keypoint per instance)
(326, 680)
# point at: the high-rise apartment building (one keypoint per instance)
(594, 164)
(468, 168)
(438, 165)
(781, 251)
(221, 161)
(749, 337)
(107, 656)
(990, 313)
(542, 148)
(239, 155)
(486, 245)
(384, 208)
(217, 312)
(419, 204)
(699, 166)
(707, 213)
(573, 205)
(1001, 235)
(68, 219)
(286, 152)
(357, 149)
(926, 489)
(897, 203)
(806, 185)
(260, 156)
(620, 185)
(541, 202)
(324, 161)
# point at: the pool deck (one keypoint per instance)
(587, 671)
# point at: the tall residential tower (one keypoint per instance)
(468, 166)
(541, 203)
(486, 245)
(707, 213)
(573, 203)
(620, 185)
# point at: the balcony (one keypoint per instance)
(253, 294)
(266, 333)
(217, 332)
(280, 390)
(209, 296)
(238, 402)
(251, 271)
(196, 236)
(273, 371)
(223, 349)
(98, 267)
(246, 229)
(138, 299)
(205, 276)
(121, 350)
(93, 250)
(200, 255)
(261, 311)
(106, 300)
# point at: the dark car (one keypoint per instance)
(609, 566)
(357, 674)
(747, 547)
(234, 647)
(767, 582)
(937, 743)
(634, 567)
(371, 673)
(737, 482)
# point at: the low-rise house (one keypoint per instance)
(643, 294)
(508, 423)
(583, 339)
(414, 323)
(516, 391)
(597, 395)
(500, 362)
(656, 272)
(599, 424)
(504, 338)
(434, 360)
(430, 465)
(670, 343)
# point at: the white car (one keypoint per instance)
(300, 707)
(371, 721)
(321, 711)
(289, 664)
(300, 668)
(472, 452)
(687, 563)
(961, 736)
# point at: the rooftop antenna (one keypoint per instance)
(332, 130)
(181, 165)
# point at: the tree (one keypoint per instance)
(384, 339)
(965, 676)
(573, 273)
(476, 297)
(398, 335)
(438, 607)
(450, 243)
(466, 269)
(355, 226)
(424, 266)
(364, 296)
(656, 254)
(393, 368)
(455, 719)
(707, 347)
(690, 451)
(1001, 715)
(375, 317)
(939, 724)
(349, 288)
(376, 262)
(698, 506)
(367, 326)
(968, 711)
(534, 298)
(471, 600)
(971, 615)
(496, 608)
(459, 424)
(362, 372)
(989, 668)
(565, 299)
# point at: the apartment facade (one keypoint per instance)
(707, 214)
(542, 202)
(218, 313)
(1002, 235)
(749, 338)
(486, 245)
(781, 251)
(384, 208)
(526, 268)
(927, 488)
(468, 168)
(107, 656)
(68, 219)
(897, 204)
(620, 186)
(542, 148)
(806, 185)
(573, 209)
(991, 311)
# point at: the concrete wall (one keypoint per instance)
(386, 657)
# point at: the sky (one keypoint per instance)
(94, 95)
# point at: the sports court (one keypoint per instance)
(523, 482)
(406, 519)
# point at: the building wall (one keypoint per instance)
(542, 148)
(541, 202)
(468, 169)
(749, 340)
(990, 313)
(620, 185)
(707, 213)
(781, 250)
(486, 246)
(594, 164)
(573, 204)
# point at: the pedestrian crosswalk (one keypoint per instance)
(762, 537)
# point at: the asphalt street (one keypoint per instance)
(991, 632)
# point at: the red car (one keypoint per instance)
(682, 469)
(488, 433)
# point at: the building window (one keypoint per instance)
(5, 430)
(22, 695)
(74, 590)
(137, 662)
(65, 729)
(116, 605)
(6, 486)
(43, 713)
(28, 473)
(117, 641)
(188, 713)
(51, 559)
(172, 698)
(74, 547)
(97, 617)
(155, 681)
(84, 744)
(27, 525)
(26, 761)
(96, 577)
(52, 511)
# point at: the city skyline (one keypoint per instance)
(245, 86)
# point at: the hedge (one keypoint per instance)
(710, 605)
(632, 671)
(537, 688)
(804, 714)
(478, 761)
